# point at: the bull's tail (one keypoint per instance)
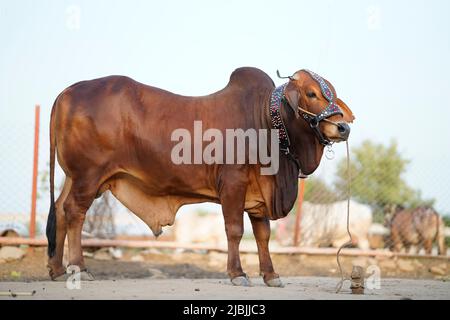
(442, 248)
(51, 220)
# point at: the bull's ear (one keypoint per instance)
(348, 114)
(292, 95)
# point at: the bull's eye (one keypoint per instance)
(311, 94)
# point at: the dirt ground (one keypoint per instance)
(135, 264)
(211, 289)
(168, 274)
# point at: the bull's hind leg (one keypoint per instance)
(78, 201)
(55, 263)
(261, 230)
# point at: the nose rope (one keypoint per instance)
(315, 115)
(348, 243)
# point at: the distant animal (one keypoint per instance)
(116, 134)
(325, 225)
(418, 227)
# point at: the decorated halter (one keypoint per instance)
(332, 107)
(277, 120)
(278, 98)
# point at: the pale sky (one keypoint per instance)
(388, 60)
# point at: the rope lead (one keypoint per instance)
(348, 243)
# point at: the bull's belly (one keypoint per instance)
(156, 211)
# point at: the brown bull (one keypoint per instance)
(114, 134)
(416, 227)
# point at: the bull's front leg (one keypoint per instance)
(232, 198)
(261, 230)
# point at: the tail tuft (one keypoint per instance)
(51, 230)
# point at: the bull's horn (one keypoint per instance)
(288, 77)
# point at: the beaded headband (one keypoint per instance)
(332, 108)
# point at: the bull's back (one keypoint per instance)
(118, 124)
(88, 122)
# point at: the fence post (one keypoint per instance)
(301, 192)
(37, 109)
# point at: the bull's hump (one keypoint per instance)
(249, 76)
(102, 81)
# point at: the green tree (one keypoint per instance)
(446, 219)
(377, 177)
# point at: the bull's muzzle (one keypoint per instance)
(344, 130)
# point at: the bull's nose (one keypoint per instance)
(344, 130)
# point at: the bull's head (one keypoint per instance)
(314, 99)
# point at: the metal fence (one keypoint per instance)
(320, 221)
(385, 213)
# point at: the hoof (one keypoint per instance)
(56, 273)
(61, 278)
(84, 275)
(275, 282)
(242, 281)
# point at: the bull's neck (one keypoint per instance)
(304, 144)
